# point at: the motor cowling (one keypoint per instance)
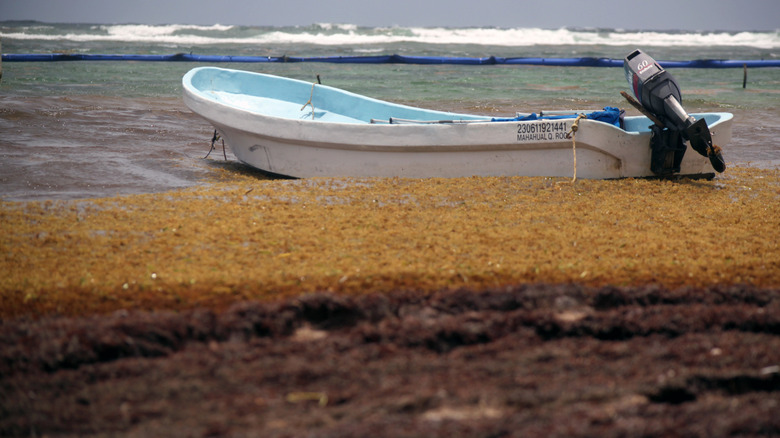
(654, 87)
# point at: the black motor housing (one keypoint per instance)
(653, 85)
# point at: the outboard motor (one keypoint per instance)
(659, 94)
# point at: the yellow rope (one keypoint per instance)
(574, 127)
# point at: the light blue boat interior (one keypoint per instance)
(283, 97)
(642, 124)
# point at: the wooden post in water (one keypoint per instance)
(744, 75)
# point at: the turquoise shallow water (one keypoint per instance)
(83, 129)
(507, 85)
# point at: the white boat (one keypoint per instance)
(300, 129)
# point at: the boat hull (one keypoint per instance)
(268, 124)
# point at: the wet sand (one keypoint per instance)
(393, 307)
(77, 147)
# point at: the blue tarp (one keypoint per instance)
(609, 115)
(388, 59)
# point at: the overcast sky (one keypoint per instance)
(704, 15)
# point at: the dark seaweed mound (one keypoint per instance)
(533, 360)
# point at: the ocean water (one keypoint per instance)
(81, 129)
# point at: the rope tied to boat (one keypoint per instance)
(309, 101)
(216, 137)
(573, 132)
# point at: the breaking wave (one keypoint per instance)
(328, 34)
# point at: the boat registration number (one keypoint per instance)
(553, 130)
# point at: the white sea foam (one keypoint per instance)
(346, 34)
(143, 30)
(149, 38)
(332, 26)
